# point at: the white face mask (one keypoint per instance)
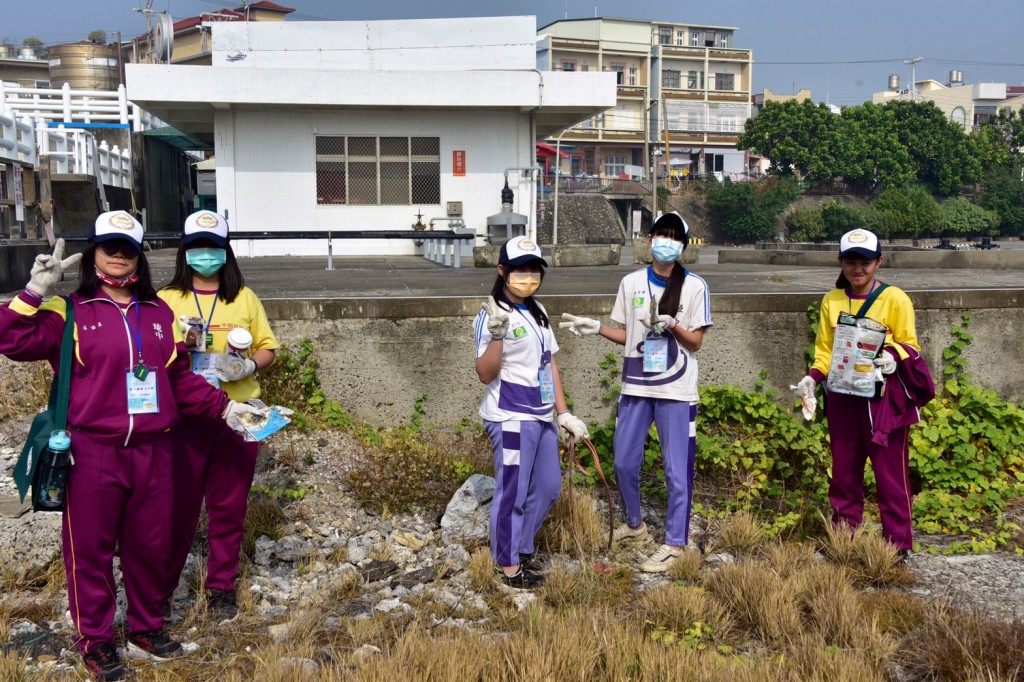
(666, 250)
(523, 284)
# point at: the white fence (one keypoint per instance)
(75, 151)
(69, 106)
(17, 141)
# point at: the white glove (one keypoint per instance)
(580, 326)
(497, 319)
(47, 270)
(235, 410)
(573, 425)
(664, 322)
(804, 389)
(230, 367)
(886, 363)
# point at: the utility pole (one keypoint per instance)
(668, 147)
(913, 75)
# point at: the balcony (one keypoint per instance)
(712, 53)
(728, 96)
(711, 95)
(632, 91)
(575, 44)
(728, 54)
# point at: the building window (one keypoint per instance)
(632, 75)
(694, 38)
(959, 116)
(378, 171)
(695, 80)
(670, 79)
(714, 163)
(568, 65)
(614, 166)
(681, 38)
(664, 35)
(723, 40)
(620, 74)
(584, 67)
(725, 82)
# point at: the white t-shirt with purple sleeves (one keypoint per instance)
(632, 304)
(515, 393)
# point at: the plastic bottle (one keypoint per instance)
(53, 471)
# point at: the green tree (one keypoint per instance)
(1004, 194)
(839, 218)
(874, 156)
(98, 36)
(797, 137)
(993, 151)
(746, 211)
(906, 212)
(805, 224)
(960, 217)
(944, 155)
(1005, 132)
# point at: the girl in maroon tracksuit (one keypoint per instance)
(130, 381)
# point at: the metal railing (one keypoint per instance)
(17, 142)
(75, 151)
(69, 106)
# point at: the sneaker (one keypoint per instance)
(156, 644)
(625, 532)
(221, 607)
(523, 580)
(533, 562)
(904, 557)
(660, 560)
(104, 663)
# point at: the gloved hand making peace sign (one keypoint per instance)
(497, 319)
(47, 270)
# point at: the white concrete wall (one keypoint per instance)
(269, 183)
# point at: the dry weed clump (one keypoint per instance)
(263, 517)
(587, 587)
(687, 567)
(740, 533)
(686, 611)
(877, 561)
(575, 526)
(955, 645)
(758, 599)
(12, 666)
(829, 602)
(24, 389)
(808, 659)
(788, 558)
(839, 544)
(482, 570)
(895, 612)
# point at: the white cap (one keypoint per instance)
(860, 242)
(206, 225)
(520, 250)
(114, 225)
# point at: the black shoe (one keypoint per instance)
(523, 580)
(221, 607)
(533, 562)
(156, 644)
(904, 556)
(104, 663)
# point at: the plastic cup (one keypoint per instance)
(239, 340)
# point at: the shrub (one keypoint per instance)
(1004, 194)
(805, 224)
(960, 217)
(839, 218)
(746, 211)
(906, 212)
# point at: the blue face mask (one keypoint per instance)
(206, 262)
(666, 250)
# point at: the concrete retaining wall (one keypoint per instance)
(377, 355)
(932, 258)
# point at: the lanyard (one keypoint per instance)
(540, 337)
(206, 322)
(137, 332)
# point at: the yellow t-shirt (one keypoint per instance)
(245, 311)
(892, 308)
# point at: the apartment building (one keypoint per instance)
(968, 105)
(684, 95)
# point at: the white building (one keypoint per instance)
(349, 126)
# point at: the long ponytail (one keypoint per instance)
(669, 304)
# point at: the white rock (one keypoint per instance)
(467, 515)
(523, 600)
(365, 651)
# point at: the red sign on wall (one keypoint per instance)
(458, 162)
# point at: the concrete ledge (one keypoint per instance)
(642, 253)
(564, 256)
(931, 258)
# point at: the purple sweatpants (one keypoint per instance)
(211, 461)
(117, 497)
(528, 481)
(849, 428)
(677, 432)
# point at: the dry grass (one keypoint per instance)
(878, 562)
(758, 599)
(839, 544)
(481, 570)
(740, 533)
(12, 666)
(829, 602)
(263, 517)
(678, 609)
(575, 526)
(587, 587)
(30, 595)
(687, 567)
(24, 389)
(787, 558)
(895, 612)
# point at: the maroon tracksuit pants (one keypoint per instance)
(214, 462)
(849, 428)
(117, 497)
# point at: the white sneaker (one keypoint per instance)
(660, 560)
(624, 532)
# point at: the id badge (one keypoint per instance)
(656, 354)
(203, 365)
(547, 385)
(142, 393)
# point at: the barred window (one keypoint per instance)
(670, 78)
(378, 171)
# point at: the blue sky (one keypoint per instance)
(843, 51)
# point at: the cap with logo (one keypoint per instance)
(117, 225)
(518, 251)
(671, 220)
(206, 225)
(860, 242)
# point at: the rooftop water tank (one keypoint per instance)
(84, 66)
(894, 82)
(27, 53)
